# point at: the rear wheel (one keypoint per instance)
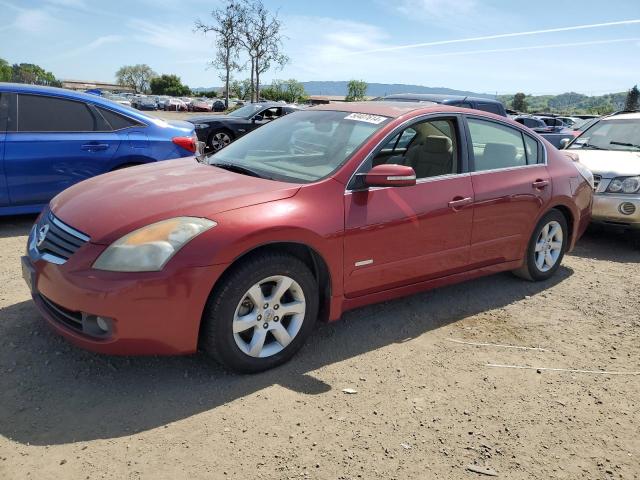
(546, 248)
(261, 314)
(219, 139)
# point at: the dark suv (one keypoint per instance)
(484, 104)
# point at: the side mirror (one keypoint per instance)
(258, 118)
(390, 175)
(564, 142)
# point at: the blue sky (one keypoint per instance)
(484, 46)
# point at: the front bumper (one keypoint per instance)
(618, 210)
(150, 313)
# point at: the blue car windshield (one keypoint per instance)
(301, 147)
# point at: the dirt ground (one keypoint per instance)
(425, 407)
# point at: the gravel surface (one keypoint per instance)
(387, 392)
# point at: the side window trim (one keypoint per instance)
(463, 147)
(542, 152)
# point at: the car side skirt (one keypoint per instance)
(341, 305)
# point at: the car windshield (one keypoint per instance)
(611, 134)
(301, 147)
(247, 111)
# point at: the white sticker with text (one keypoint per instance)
(365, 117)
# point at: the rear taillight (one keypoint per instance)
(188, 143)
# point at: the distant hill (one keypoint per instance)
(572, 102)
(382, 89)
(567, 103)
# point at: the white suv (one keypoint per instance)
(610, 148)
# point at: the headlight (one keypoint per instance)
(586, 173)
(201, 126)
(149, 248)
(624, 185)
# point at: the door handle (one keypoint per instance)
(540, 183)
(94, 147)
(459, 202)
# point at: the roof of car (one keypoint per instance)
(436, 98)
(624, 116)
(386, 109)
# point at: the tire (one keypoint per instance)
(537, 265)
(219, 139)
(232, 306)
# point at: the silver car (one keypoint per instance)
(610, 148)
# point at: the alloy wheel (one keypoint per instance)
(219, 141)
(548, 246)
(269, 316)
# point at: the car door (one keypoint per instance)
(511, 186)
(56, 142)
(4, 118)
(396, 236)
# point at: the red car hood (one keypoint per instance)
(111, 205)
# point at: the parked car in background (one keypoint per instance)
(549, 128)
(199, 105)
(569, 121)
(583, 124)
(218, 106)
(218, 131)
(610, 148)
(175, 105)
(144, 103)
(52, 138)
(484, 104)
(122, 100)
(240, 255)
(160, 101)
(534, 123)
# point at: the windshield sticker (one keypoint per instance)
(364, 117)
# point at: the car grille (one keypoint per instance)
(62, 315)
(596, 181)
(57, 241)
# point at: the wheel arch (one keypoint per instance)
(571, 221)
(307, 254)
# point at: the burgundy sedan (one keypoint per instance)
(321, 211)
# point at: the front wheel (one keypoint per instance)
(261, 314)
(546, 248)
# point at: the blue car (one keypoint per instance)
(51, 138)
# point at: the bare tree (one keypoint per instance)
(226, 25)
(261, 37)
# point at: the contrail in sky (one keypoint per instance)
(500, 35)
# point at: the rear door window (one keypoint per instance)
(40, 113)
(117, 121)
(496, 146)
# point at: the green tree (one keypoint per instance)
(5, 71)
(33, 74)
(291, 91)
(357, 90)
(240, 89)
(168, 85)
(519, 102)
(632, 102)
(138, 77)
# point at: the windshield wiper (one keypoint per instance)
(624, 144)
(232, 167)
(593, 147)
